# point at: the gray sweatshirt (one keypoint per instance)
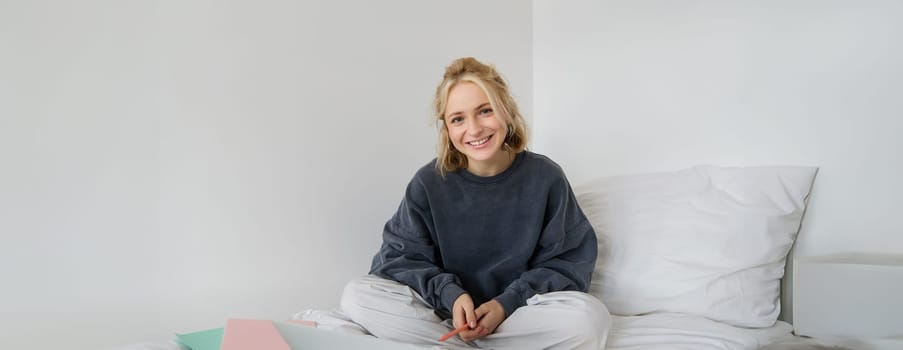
(505, 237)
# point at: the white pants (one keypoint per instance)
(558, 320)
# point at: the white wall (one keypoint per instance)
(165, 165)
(657, 85)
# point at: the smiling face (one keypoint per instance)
(475, 130)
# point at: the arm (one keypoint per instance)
(409, 255)
(565, 256)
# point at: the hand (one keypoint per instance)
(490, 316)
(463, 313)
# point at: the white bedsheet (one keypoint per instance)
(679, 331)
(649, 332)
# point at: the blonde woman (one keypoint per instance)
(488, 238)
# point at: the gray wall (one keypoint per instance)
(165, 165)
(656, 85)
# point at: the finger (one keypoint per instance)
(481, 311)
(471, 317)
(472, 333)
(481, 332)
(468, 335)
(459, 317)
(485, 331)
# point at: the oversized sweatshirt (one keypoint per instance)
(505, 237)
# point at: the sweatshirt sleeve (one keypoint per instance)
(565, 256)
(409, 255)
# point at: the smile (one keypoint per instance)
(480, 141)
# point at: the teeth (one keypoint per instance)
(478, 142)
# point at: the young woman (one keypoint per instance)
(488, 235)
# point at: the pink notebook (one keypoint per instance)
(252, 335)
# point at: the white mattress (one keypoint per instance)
(649, 332)
(680, 331)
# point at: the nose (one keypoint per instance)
(474, 128)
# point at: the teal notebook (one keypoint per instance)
(210, 339)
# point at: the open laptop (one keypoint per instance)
(301, 337)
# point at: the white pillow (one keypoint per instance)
(709, 241)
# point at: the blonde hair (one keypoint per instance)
(468, 69)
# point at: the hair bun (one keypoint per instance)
(465, 65)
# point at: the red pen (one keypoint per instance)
(455, 332)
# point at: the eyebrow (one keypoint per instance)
(476, 109)
(482, 105)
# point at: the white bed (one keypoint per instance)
(690, 259)
(649, 332)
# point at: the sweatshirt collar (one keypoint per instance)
(518, 158)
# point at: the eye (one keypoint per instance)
(486, 111)
(455, 120)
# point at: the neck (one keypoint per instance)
(493, 166)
